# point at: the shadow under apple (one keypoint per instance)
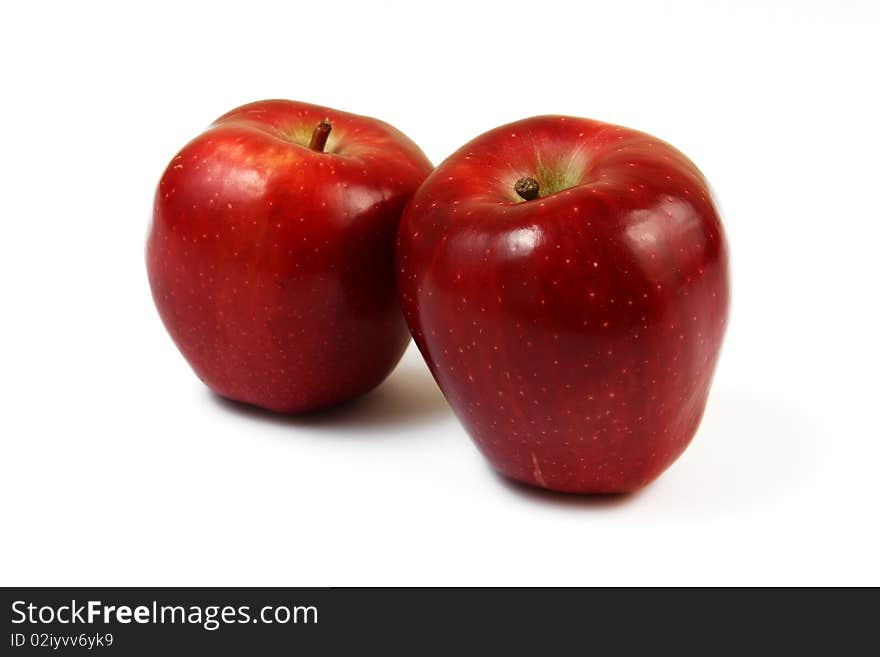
(408, 397)
(752, 451)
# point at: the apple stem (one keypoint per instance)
(319, 136)
(527, 188)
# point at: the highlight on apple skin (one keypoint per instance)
(566, 281)
(270, 253)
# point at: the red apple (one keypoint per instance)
(566, 281)
(271, 250)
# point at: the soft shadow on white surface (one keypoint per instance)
(407, 398)
(752, 451)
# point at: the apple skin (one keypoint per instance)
(574, 335)
(271, 264)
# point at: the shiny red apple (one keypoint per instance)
(566, 281)
(270, 254)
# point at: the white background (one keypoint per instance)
(119, 467)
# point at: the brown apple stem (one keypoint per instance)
(527, 188)
(319, 136)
